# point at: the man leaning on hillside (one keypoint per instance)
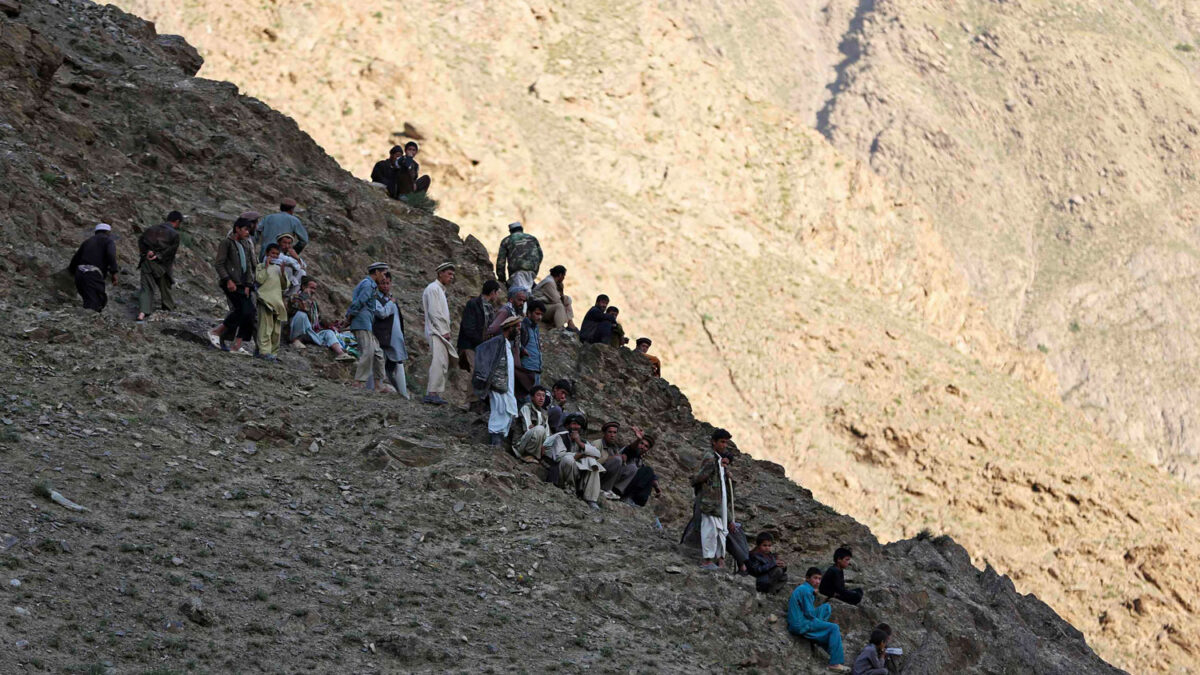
(158, 246)
(437, 331)
(519, 258)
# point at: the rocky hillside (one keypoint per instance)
(247, 516)
(663, 153)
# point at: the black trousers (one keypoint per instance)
(239, 322)
(850, 596)
(91, 288)
(771, 581)
(640, 487)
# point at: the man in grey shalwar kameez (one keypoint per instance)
(389, 330)
(494, 377)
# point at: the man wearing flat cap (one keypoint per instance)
(437, 332)
(362, 314)
(95, 260)
(494, 379)
(284, 222)
(519, 258)
(643, 348)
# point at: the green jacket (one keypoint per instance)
(521, 252)
(707, 484)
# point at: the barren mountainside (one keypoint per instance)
(245, 516)
(798, 299)
(827, 310)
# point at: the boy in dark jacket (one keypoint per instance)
(833, 583)
(769, 571)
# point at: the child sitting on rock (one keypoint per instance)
(872, 659)
(769, 571)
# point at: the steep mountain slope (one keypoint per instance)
(256, 517)
(1056, 146)
(804, 305)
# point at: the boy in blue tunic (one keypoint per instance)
(807, 620)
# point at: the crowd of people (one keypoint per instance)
(272, 298)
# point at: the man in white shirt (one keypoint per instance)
(437, 331)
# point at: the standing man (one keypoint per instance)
(713, 485)
(495, 379)
(235, 271)
(437, 331)
(476, 318)
(389, 331)
(531, 344)
(520, 256)
(361, 315)
(643, 348)
(158, 246)
(283, 222)
(386, 170)
(407, 181)
(95, 259)
(271, 311)
(514, 307)
(550, 291)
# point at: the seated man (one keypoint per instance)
(770, 574)
(643, 348)
(558, 305)
(559, 405)
(386, 171)
(306, 325)
(621, 463)
(577, 461)
(532, 427)
(616, 336)
(597, 323)
(807, 620)
(408, 178)
(833, 583)
(636, 491)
